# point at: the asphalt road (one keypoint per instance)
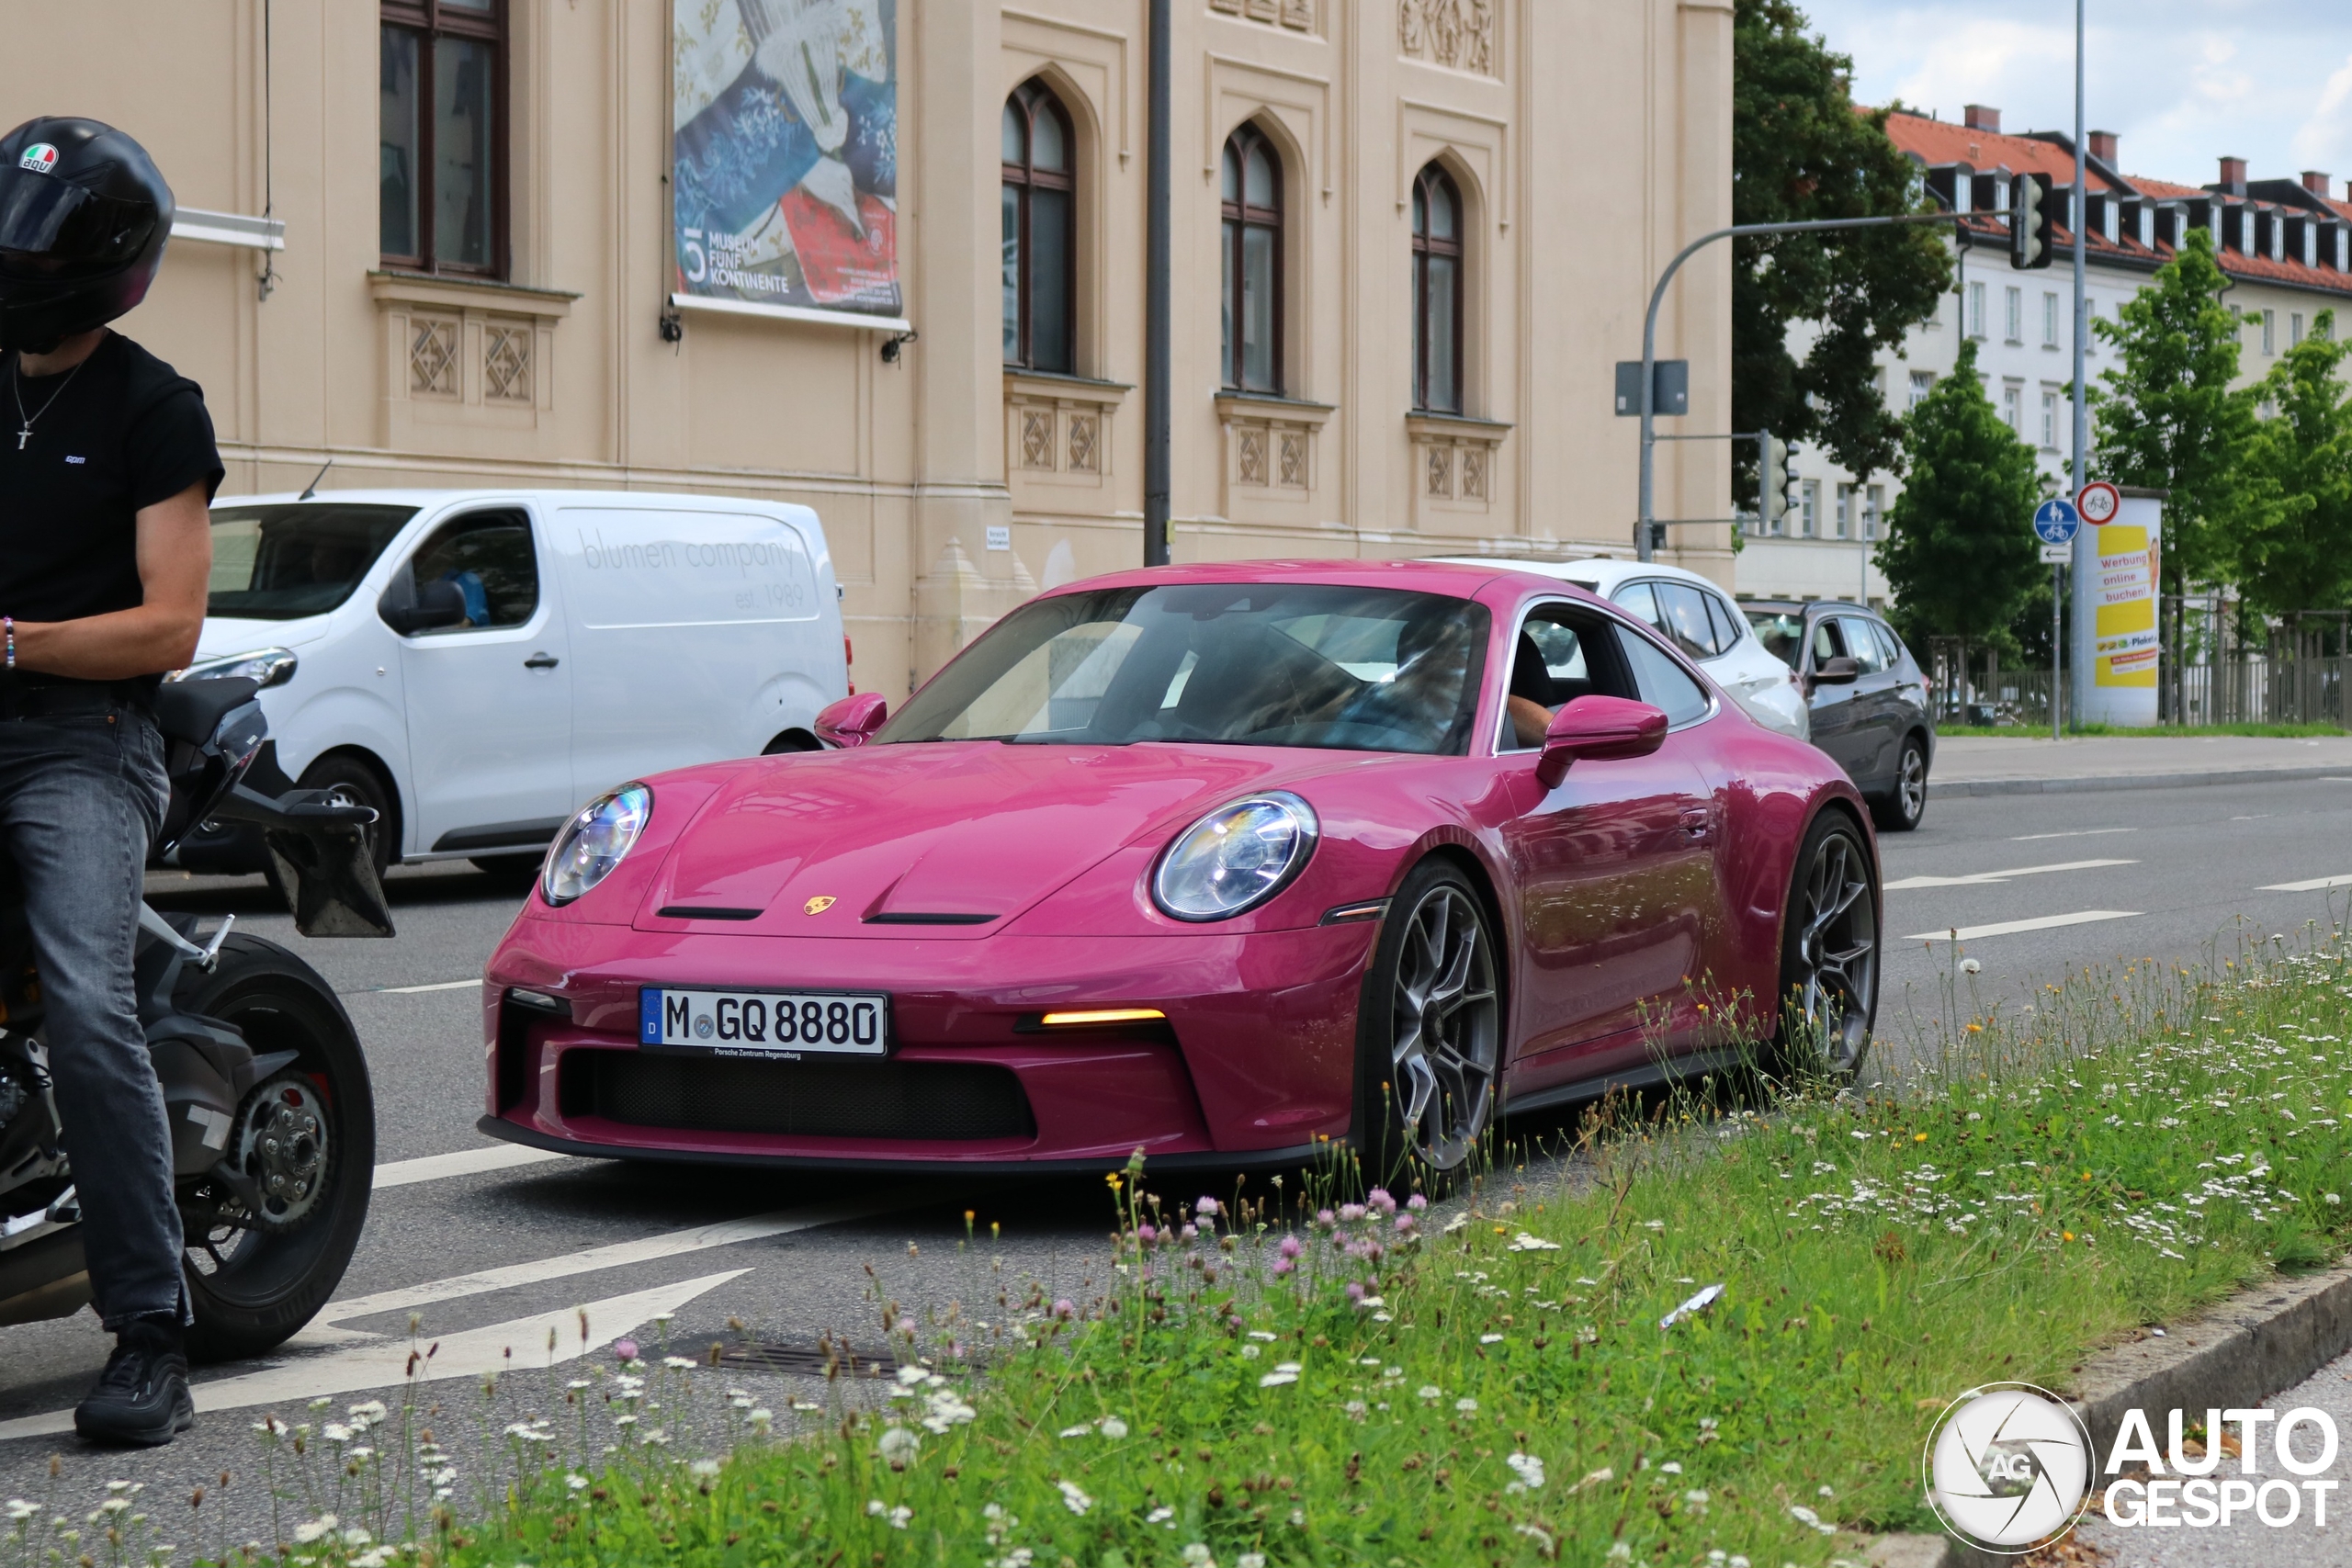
(490, 1257)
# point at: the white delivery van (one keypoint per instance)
(477, 665)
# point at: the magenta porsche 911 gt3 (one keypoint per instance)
(1216, 861)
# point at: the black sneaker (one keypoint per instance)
(141, 1400)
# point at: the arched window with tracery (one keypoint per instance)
(1040, 231)
(1437, 293)
(1252, 191)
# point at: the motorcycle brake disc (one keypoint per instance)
(280, 1142)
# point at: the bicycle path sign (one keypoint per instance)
(2055, 522)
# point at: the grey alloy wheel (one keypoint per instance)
(1445, 1026)
(1831, 952)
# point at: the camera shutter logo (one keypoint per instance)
(2008, 1468)
(41, 157)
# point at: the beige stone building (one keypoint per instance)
(1438, 220)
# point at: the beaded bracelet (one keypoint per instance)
(8, 624)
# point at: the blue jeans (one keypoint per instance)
(81, 797)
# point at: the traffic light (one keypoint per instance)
(2033, 206)
(1777, 488)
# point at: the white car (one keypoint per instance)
(1703, 622)
(476, 663)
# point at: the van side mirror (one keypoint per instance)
(1839, 672)
(852, 720)
(409, 610)
(1599, 729)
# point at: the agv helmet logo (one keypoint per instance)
(40, 158)
(2009, 1467)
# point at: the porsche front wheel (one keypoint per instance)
(1829, 954)
(1429, 1035)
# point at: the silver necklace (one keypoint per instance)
(16, 384)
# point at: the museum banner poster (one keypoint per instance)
(784, 155)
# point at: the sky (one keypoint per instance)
(2182, 82)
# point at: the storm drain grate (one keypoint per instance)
(808, 1361)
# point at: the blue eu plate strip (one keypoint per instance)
(648, 1017)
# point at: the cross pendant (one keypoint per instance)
(24, 435)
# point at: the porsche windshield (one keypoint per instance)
(297, 558)
(1240, 665)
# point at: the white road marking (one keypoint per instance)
(384, 1363)
(413, 991)
(670, 1244)
(1985, 878)
(2011, 928)
(2078, 833)
(2313, 886)
(464, 1162)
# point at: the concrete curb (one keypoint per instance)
(1942, 789)
(2241, 1353)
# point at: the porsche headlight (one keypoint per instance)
(594, 842)
(270, 666)
(1235, 858)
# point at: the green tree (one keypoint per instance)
(1800, 151)
(2166, 416)
(2294, 529)
(1959, 552)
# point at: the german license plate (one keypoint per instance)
(782, 1025)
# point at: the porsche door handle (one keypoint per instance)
(541, 662)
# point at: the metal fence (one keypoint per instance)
(2281, 685)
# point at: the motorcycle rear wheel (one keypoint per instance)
(251, 1288)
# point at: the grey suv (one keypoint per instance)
(1867, 695)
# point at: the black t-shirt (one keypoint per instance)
(127, 432)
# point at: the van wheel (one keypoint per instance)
(348, 781)
(791, 741)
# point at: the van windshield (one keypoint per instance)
(296, 559)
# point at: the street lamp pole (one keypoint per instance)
(1641, 528)
(2081, 219)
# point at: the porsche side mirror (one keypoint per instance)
(1599, 729)
(1838, 671)
(852, 720)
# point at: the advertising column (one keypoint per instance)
(2116, 574)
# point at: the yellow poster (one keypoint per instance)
(2124, 638)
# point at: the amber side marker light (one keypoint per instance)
(1101, 1015)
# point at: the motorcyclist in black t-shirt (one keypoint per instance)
(107, 466)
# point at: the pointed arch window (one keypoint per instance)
(1040, 231)
(1437, 293)
(1252, 191)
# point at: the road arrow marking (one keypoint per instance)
(1987, 877)
(2011, 928)
(476, 1352)
(2313, 886)
(464, 1162)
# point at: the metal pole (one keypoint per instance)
(2081, 215)
(1156, 333)
(1649, 328)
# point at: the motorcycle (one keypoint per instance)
(265, 1085)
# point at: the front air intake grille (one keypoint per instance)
(927, 1100)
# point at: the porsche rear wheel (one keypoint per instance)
(1829, 955)
(1428, 1035)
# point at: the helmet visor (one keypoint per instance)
(48, 226)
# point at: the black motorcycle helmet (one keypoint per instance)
(84, 216)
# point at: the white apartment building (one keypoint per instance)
(2286, 244)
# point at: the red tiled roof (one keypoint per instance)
(1941, 141)
(1937, 142)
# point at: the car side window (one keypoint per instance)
(1889, 647)
(1826, 643)
(1686, 622)
(1563, 653)
(489, 558)
(1637, 598)
(1663, 683)
(1729, 624)
(1862, 645)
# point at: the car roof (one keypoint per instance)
(1806, 606)
(1602, 574)
(1461, 580)
(434, 498)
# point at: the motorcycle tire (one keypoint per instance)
(251, 1288)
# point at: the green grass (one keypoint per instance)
(2192, 731)
(2115, 1152)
